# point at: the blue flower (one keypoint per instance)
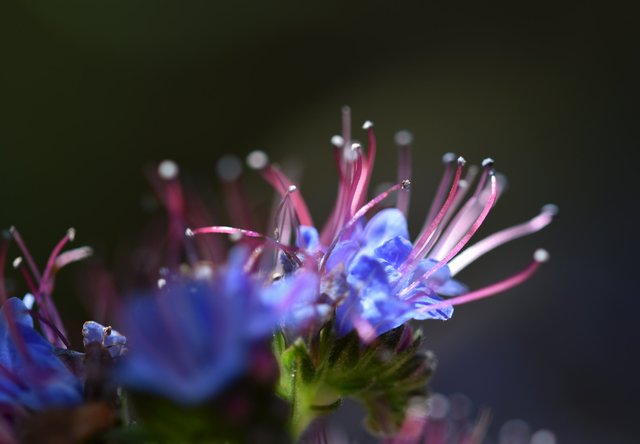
(193, 338)
(371, 257)
(31, 376)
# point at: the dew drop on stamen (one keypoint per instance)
(229, 168)
(257, 160)
(168, 169)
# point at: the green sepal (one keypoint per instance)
(384, 375)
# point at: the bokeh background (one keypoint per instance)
(92, 92)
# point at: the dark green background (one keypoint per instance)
(93, 91)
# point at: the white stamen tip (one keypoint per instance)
(189, 232)
(448, 157)
(356, 146)
(28, 300)
(71, 234)
(403, 138)
(541, 255)
(17, 262)
(168, 170)
(406, 184)
(367, 125)
(162, 282)
(461, 160)
(235, 237)
(551, 209)
(337, 141)
(257, 160)
(463, 184)
(229, 168)
(292, 188)
(487, 162)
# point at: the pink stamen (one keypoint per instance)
(487, 167)
(281, 184)
(461, 243)
(357, 183)
(49, 324)
(461, 192)
(464, 218)
(248, 233)
(403, 140)
(421, 242)
(501, 237)
(75, 255)
(18, 264)
(448, 159)
(363, 183)
(46, 286)
(539, 257)
(404, 185)
(25, 252)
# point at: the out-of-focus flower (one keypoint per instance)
(193, 337)
(31, 376)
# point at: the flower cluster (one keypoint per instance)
(256, 341)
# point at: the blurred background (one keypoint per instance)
(91, 93)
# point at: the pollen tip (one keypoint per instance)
(487, 162)
(406, 184)
(355, 146)
(448, 157)
(168, 169)
(71, 234)
(541, 255)
(189, 232)
(403, 138)
(551, 209)
(229, 168)
(257, 160)
(12, 229)
(235, 237)
(346, 109)
(461, 161)
(337, 141)
(17, 262)
(162, 282)
(292, 188)
(367, 125)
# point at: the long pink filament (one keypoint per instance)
(448, 159)
(490, 290)
(501, 237)
(421, 242)
(282, 183)
(249, 233)
(461, 243)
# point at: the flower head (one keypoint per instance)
(374, 275)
